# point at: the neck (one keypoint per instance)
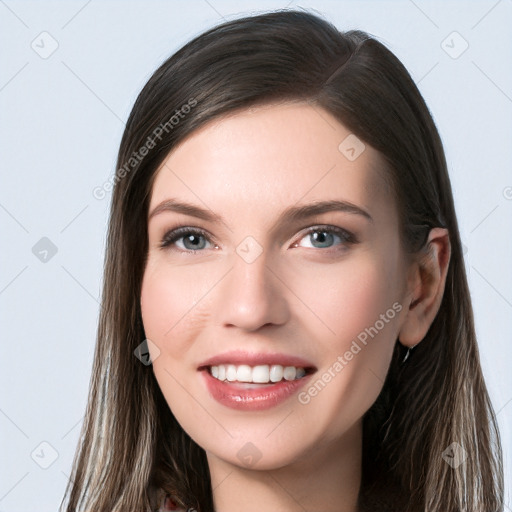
(326, 479)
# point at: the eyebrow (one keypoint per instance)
(290, 215)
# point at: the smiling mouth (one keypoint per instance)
(258, 375)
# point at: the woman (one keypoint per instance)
(283, 248)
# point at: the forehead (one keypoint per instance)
(265, 158)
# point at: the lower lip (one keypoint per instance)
(233, 395)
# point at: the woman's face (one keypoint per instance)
(247, 281)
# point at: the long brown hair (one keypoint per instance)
(131, 444)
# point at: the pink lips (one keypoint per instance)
(253, 359)
(256, 397)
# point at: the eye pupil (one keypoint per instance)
(322, 237)
(190, 240)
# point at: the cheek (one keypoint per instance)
(172, 321)
(359, 305)
(350, 297)
(168, 305)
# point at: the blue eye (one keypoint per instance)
(194, 240)
(325, 237)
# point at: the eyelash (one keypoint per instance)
(174, 235)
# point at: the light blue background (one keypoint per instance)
(61, 123)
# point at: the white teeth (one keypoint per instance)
(261, 374)
(276, 373)
(289, 373)
(244, 373)
(231, 372)
(300, 373)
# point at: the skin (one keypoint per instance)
(300, 297)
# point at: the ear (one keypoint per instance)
(427, 281)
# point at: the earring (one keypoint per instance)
(409, 350)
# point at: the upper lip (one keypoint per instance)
(238, 357)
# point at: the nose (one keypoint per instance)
(252, 296)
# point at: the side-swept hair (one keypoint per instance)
(131, 444)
